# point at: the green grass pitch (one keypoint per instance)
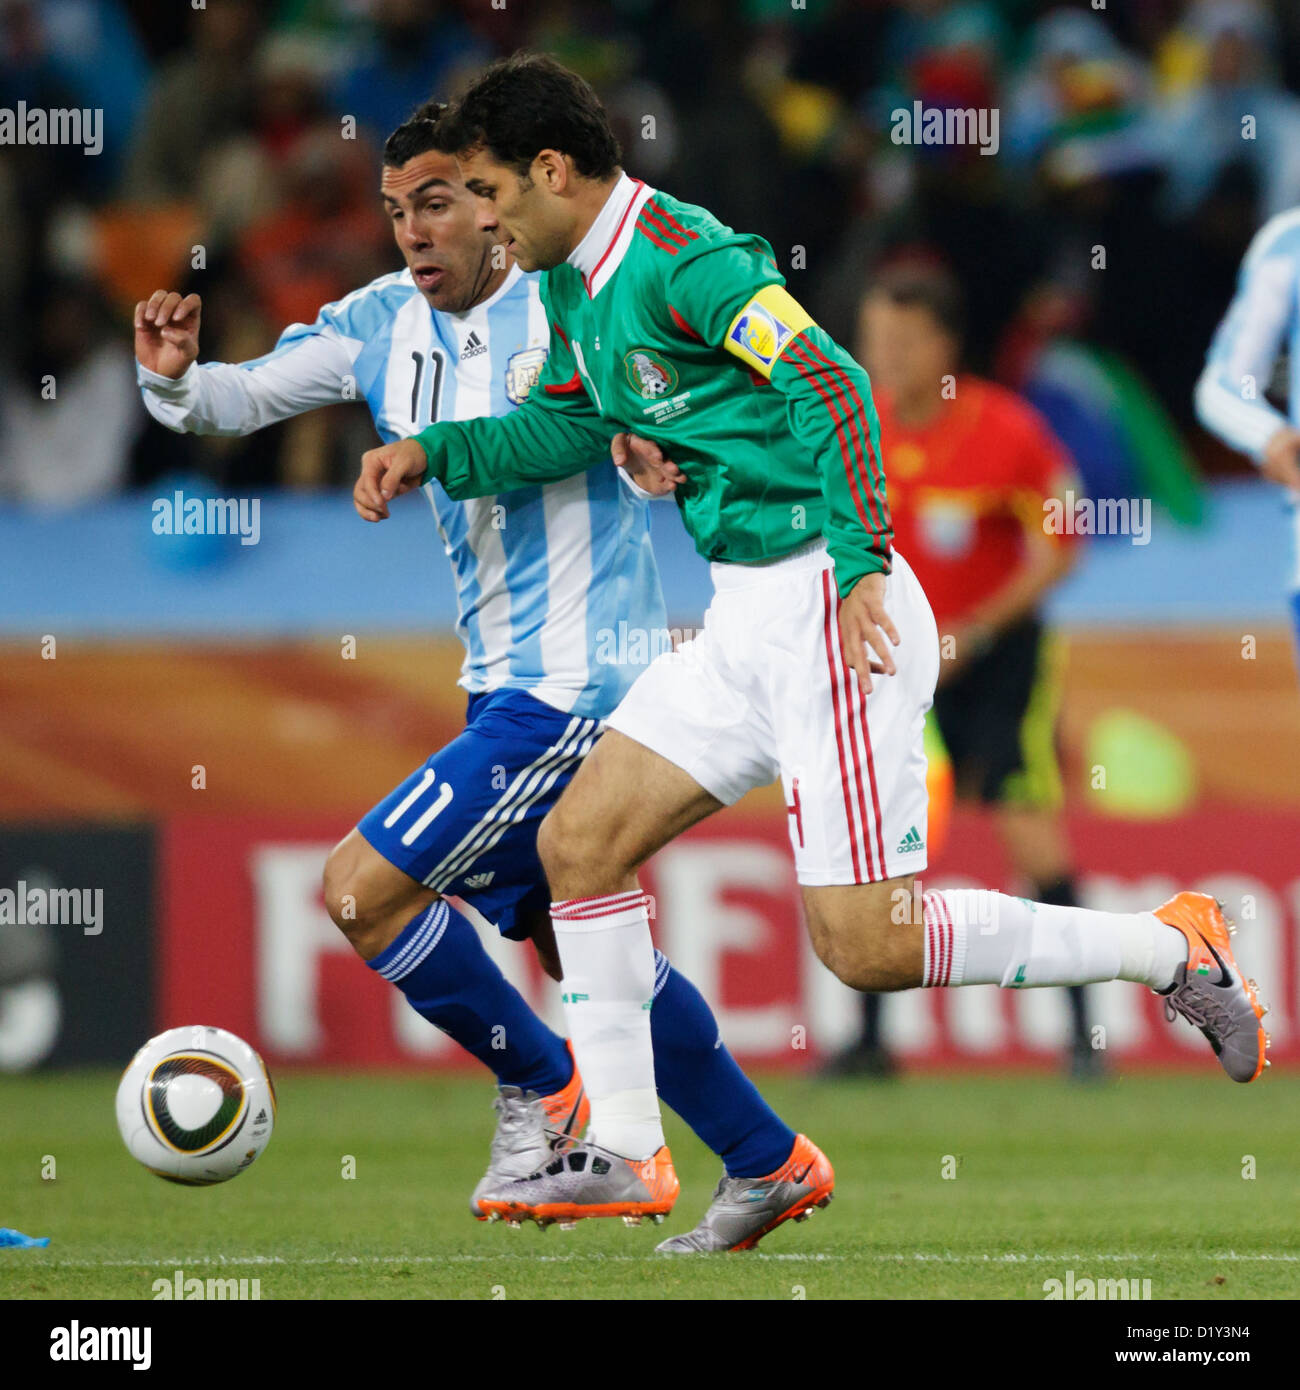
(1140, 1177)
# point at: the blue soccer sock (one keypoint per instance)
(439, 963)
(699, 1079)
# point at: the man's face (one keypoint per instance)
(435, 224)
(904, 348)
(527, 214)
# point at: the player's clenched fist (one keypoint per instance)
(866, 629)
(387, 472)
(167, 332)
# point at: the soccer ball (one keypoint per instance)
(196, 1105)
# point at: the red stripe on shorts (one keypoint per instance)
(871, 778)
(832, 641)
(877, 852)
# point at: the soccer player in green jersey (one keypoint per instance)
(819, 655)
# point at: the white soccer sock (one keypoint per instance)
(973, 937)
(609, 980)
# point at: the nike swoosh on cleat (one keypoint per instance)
(1226, 980)
(567, 1126)
(808, 1169)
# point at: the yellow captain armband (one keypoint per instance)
(765, 327)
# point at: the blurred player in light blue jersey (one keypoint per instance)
(540, 572)
(1262, 321)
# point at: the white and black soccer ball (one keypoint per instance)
(196, 1105)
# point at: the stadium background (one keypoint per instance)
(128, 660)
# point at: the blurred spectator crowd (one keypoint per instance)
(240, 159)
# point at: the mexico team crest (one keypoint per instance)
(522, 371)
(650, 376)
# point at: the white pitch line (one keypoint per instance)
(288, 1262)
(595, 1256)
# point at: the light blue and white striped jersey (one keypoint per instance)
(1262, 321)
(549, 579)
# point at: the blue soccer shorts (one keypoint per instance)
(465, 824)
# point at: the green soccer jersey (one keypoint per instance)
(670, 325)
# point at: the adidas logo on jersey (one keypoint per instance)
(480, 880)
(910, 843)
(473, 347)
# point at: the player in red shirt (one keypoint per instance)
(970, 467)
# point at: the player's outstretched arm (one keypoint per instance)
(307, 369)
(555, 433)
(1230, 400)
(476, 458)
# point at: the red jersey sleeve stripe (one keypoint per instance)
(671, 220)
(874, 476)
(810, 372)
(871, 479)
(643, 227)
(660, 224)
(875, 471)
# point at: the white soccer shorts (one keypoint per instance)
(764, 691)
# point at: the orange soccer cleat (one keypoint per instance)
(1210, 991)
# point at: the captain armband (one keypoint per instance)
(765, 327)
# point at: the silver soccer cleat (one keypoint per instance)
(744, 1210)
(520, 1146)
(584, 1180)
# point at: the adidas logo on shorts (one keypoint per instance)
(910, 842)
(480, 880)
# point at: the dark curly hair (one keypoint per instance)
(527, 103)
(418, 134)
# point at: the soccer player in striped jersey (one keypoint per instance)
(819, 655)
(1262, 322)
(540, 571)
